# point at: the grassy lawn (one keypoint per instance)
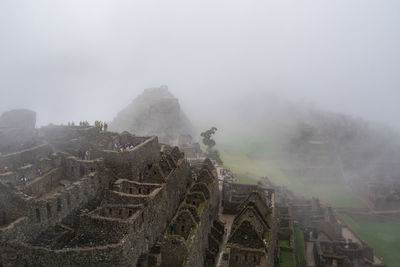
(383, 237)
(299, 247)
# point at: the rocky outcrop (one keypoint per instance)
(18, 118)
(155, 112)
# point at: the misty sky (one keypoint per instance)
(86, 59)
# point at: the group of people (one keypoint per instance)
(83, 124)
(101, 125)
(121, 148)
(84, 155)
(24, 179)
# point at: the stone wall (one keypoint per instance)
(133, 164)
(190, 238)
(28, 156)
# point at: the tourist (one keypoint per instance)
(23, 179)
(40, 172)
(105, 127)
(171, 228)
(5, 169)
(87, 155)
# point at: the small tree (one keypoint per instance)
(210, 143)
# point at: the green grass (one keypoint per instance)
(286, 259)
(250, 170)
(299, 247)
(284, 243)
(384, 237)
(333, 194)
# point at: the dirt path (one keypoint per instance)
(227, 219)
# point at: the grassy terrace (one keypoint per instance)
(383, 237)
(251, 160)
(299, 247)
(283, 243)
(286, 259)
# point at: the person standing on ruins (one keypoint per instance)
(5, 169)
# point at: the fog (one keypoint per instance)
(75, 60)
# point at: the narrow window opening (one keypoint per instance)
(130, 190)
(120, 212)
(48, 210)
(58, 204)
(38, 215)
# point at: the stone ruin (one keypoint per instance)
(144, 207)
(249, 213)
(135, 208)
(329, 241)
(191, 149)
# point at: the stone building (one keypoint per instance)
(110, 208)
(252, 238)
(328, 240)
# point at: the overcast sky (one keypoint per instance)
(86, 59)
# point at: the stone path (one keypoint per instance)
(347, 234)
(310, 254)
